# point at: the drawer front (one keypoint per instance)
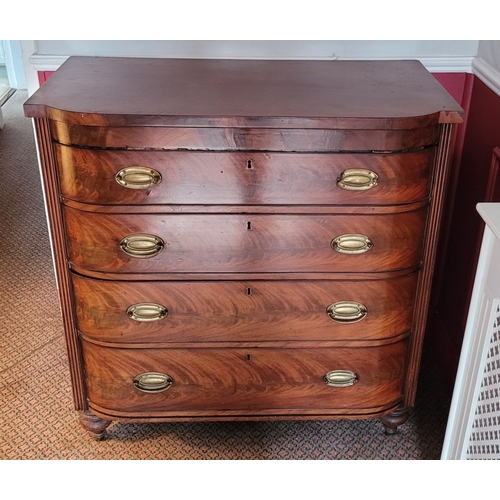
(244, 139)
(244, 243)
(139, 312)
(243, 379)
(132, 177)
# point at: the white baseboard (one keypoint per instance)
(488, 75)
(46, 63)
(433, 64)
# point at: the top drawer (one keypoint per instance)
(249, 178)
(254, 138)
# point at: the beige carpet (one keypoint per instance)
(36, 416)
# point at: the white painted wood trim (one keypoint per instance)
(488, 75)
(456, 436)
(46, 63)
(42, 62)
(28, 48)
(433, 64)
(490, 213)
(11, 50)
(475, 344)
(2, 53)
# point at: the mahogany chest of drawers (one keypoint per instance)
(243, 240)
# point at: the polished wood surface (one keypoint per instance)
(394, 419)
(245, 243)
(248, 311)
(237, 139)
(249, 154)
(242, 178)
(58, 239)
(430, 248)
(94, 425)
(244, 379)
(210, 93)
(249, 209)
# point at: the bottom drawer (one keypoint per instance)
(206, 381)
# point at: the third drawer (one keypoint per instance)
(244, 311)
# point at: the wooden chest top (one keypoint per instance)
(251, 93)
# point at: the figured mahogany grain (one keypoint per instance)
(235, 139)
(244, 379)
(223, 243)
(257, 311)
(229, 228)
(242, 178)
(241, 416)
(359, 210)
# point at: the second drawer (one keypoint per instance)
(235, 243)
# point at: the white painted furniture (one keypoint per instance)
(473, 430)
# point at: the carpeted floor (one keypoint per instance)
(36, 416)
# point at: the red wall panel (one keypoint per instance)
(43, 76)
(459, 254)
(454, 83)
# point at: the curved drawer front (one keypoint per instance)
(249, 380)
(112, 177)
(244, 243)
(244, 139)
(243, 311)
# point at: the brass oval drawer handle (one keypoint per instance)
(340, 378)
(153, 382)
(351, 243)
(357, 179)
(142, 246)
(347, 311)
(146, 312)
(138, 177)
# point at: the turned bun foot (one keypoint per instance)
(393, 420)
(94, 425)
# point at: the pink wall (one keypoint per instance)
(472, 178)
(43, 76)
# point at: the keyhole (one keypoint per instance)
(249, 225)
(248, 357)
(249, 291)
(249, 164)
